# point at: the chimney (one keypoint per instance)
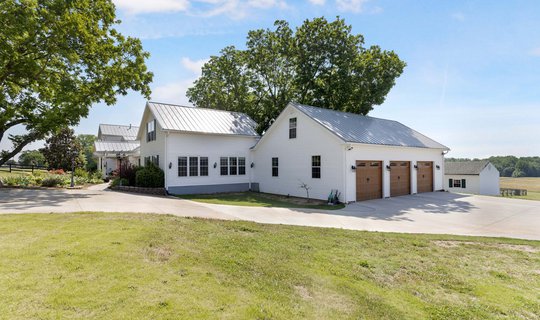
(130, 126)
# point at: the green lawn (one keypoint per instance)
(532, 184)
(256, 199)
(4, 173)
(136, 266)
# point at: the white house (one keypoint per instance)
(361, 157)
(200, 150)
(206, 151)
(116, 143)
(477, 177)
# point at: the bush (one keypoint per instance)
(129, 172)
(20, 181)
(116, 182)
(57, 171)
(52, 181)
(150, 176)
(80, 172)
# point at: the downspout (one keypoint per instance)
(165, 165)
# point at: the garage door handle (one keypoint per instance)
(367, 179)
(398, 177)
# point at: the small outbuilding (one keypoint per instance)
(477, 177)
(114, 144)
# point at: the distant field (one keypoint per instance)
(531, 184)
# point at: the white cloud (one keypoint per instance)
(174, 92)
(194, 66)
(459, 16)
(355, 6)
(151, 6)
(318, 2)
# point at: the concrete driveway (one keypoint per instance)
(439, 212)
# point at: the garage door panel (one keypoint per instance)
(400, 178)
(368, 180)
(424, 176)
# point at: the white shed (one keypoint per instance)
(116, 143)
(477, 177)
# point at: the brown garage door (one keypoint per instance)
(424, 176)
(400, 178)
(368, 180)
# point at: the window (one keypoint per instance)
(292, 128)
(316, 167)
(152, 159)
(203, 166)
(151, 131)
(193, 166)
(275, 167)
(224, 166)
(241, 166)
(463, 184)
(182, 166)
(233, 163)
(457, 183)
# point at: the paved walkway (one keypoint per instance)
(438, 212)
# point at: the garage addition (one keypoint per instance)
(207, 151)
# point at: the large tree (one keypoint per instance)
(57, 58)
(87, 144)
(319, 63)
(62, 148)
(32, 157)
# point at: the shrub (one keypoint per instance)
(57, 171)
(52, 181)
(116, 182)
(80, 172)
(20, 181)
(150, 176)
(129, 172)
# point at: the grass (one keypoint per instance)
(531, 184)
(256, 199)
(18, 172)
(137, 266)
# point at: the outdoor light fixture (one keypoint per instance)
(438, 167)
(215, 165)
(416, 166)
(170, 165)
(388, 167)
(353, 167)
(252, 165)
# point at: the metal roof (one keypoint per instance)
(116, 146)
(357, 128)
(201, 120)
(465, 167)
(126, 132)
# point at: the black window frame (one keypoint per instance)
(316, 167)
(203, 166)
(241, 166)
(182, 166)
(293, 123)
(233, 166)
(193, 166)
(275, 167)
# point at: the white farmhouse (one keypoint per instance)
(477, 177)
(200, 150)
(208, 151)
(116, 143)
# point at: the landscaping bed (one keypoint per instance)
(259, 199)
(142, 266)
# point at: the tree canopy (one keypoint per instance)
(511, 166)
(63, 147)
(320, 63)
(32, 157)
(87, 144)
(57, 58)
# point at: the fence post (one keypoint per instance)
(10, 167)
(32, 169)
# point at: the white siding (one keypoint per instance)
(206, 145)
(489, 181)
(387, 154)
(155, 147)
(295, 158)
(472, 183)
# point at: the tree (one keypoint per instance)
(60, 148)
(320, 63)
(32, 157)
(57, 58)
(87, 144)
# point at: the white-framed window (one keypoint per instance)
(315, 167)
(457, 183)
(151, 131)
(182, 166)
(292, 128)
(232, 166)
(192, 166)
(152, 159)
(275, 167)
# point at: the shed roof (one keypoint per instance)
(126, 132)
(465, 167)
(201, 120)
(116, 146)
(357, 128)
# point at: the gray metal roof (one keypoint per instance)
(126, 132)
(357, 128)
(201, 120)
(465, 167)
(116, 146)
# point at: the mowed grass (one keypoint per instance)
(18, 172)
(256, 199)
(531, 184)
(137, 266)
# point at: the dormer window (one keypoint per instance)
(292, 128)
(151, 131)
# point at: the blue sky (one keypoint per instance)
(473, 67)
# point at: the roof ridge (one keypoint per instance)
(345, 112)
(198, 108)
(118, 125)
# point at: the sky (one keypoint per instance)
(471, 82)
